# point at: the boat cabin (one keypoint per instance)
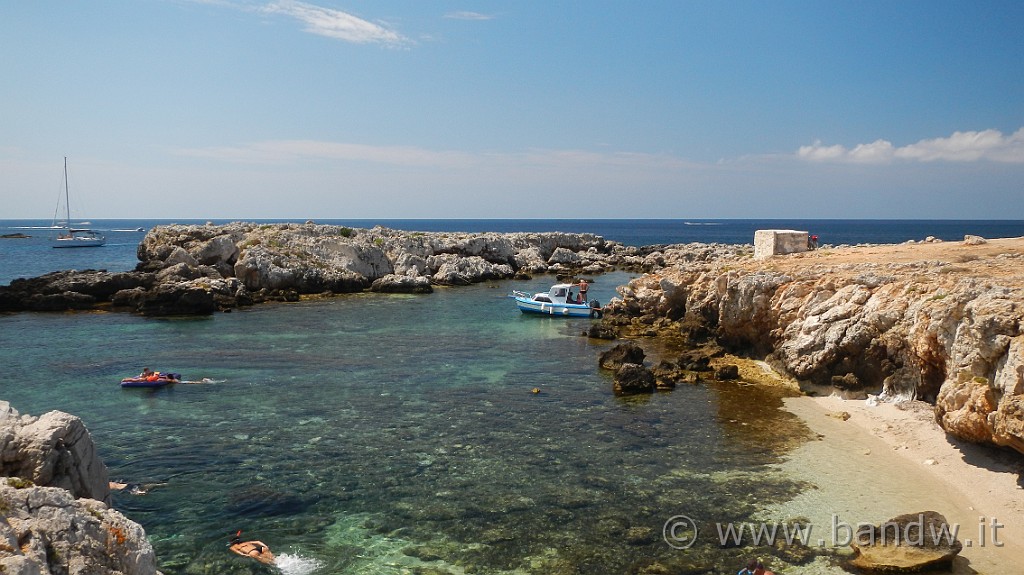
(560, 293)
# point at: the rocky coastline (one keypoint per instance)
(54, 499)
(942, 322)
(196, 270)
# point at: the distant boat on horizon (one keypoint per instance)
(70, 237)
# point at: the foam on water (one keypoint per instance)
(290, 564)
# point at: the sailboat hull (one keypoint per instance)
(78, 242)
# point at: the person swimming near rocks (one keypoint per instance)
(257, 550)
(132, 488)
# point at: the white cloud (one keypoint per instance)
(988, 145)
(290, 151)
(466, 15)
(336, 24)
(293, 151)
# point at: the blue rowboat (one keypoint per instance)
(562, 300)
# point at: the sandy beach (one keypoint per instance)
(886, 460)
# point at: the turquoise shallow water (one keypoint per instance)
(396, 434)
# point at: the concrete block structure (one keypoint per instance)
(768, 243)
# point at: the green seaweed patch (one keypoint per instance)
(19, 482)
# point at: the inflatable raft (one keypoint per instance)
(160, 381)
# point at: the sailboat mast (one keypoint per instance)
(67, 197)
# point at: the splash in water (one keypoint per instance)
(296, 564)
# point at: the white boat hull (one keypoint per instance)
(527, 305)
(78, 242)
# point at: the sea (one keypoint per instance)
(414, 434)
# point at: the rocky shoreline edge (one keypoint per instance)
(200, 269)
(939, 323)
(54, 502)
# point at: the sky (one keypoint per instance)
(343, 109)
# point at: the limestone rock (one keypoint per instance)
(947, 332)
(393, 283)
(727, 372)
(906, 544)
(49, 531)
(54, 449)
(846, 382)
(221, 249)
(456, 270)
(180, 255)
(621, 354)
(185, 298)
(632, 378)
(564, 257)
(600, 331)
(59, 291)
(531, 260)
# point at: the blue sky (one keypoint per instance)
(478, 109)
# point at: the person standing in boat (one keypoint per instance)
(583, 290)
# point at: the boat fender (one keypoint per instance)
(595, 309)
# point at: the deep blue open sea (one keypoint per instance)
(398, 434)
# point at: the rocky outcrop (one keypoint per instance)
(188, 270)
(69, 290)
(633, 378)
(944, 326)
(54, 449)
(621, 354)
(906, 544)
(52, 492)
(46, 530)
(312, 258)
(394, 283)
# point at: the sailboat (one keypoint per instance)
(69, 237)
